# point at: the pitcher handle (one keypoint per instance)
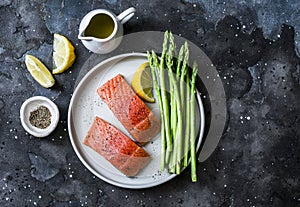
(126, 15)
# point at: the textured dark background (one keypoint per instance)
(255, 46)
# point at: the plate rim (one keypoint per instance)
(77, 150)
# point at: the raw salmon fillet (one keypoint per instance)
(116, 147)
(130, 110)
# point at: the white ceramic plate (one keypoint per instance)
(86, 104)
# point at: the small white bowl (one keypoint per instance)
(32, 104)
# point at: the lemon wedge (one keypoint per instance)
(39, 71)
(63, 54)
(142, 82)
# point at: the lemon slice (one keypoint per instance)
(142, 82)
(39, 71)
(63, 54)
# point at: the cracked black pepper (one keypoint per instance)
(40, 117)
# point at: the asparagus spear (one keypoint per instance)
(173, 112)
(165, 101)
(183, 73)
(169, 63)
(158, 94)
(192, 117)
(187, 123)
(171, 54)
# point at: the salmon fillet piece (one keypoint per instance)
(130, 110)
(116, 147)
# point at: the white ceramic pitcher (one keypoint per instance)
(111, 42)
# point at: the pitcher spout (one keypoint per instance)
(82, 37)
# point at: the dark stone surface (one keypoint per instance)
(254, 45)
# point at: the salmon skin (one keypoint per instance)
(130, 110)
(116, 147)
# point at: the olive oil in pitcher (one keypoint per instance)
(101, 26)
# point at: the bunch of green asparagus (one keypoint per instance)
(176, 107)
